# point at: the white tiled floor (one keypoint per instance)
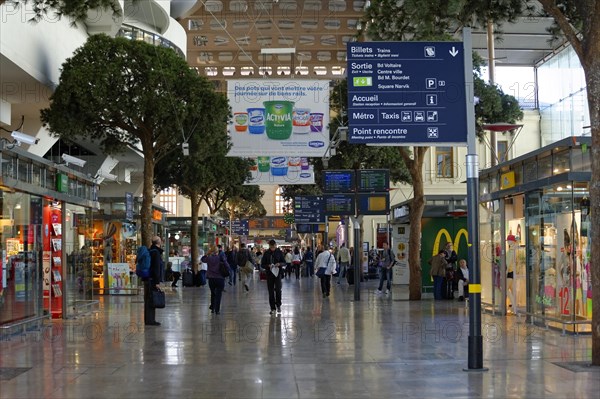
(380, 347)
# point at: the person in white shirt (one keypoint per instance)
(463, 279)
(326, 260)
(344, 259)
(203, 267)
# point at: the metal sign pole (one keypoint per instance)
(356, 221)
(475, 340)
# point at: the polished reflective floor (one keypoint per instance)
(380, 347)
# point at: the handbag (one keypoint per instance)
(321, 272)
(223, 269)
(158, 299)
(248, 268)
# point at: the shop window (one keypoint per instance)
(502, 151)
(444, 162)
(167, 198)
(581, 160)
(281, 204)
(561, 162)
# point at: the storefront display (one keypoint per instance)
(536, 237)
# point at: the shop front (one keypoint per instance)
(113, 238)
(443, 221)
(535, 236)
(43, 207)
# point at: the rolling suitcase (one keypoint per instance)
(188, 278)
(350, 275)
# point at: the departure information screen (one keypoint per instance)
(373, 180)
(338, 181)
(339, 204)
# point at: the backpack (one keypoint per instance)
(142, 262)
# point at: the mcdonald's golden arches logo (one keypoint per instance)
(443, 232)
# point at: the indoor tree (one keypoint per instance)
(197, 174)
(125, 94)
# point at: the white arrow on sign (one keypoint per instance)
(453, 52)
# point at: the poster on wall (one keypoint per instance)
(46, 264)
(279, 117)
(281, 170)
(400, 247)
(118, 278)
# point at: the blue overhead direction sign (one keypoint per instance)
(309, 209)
(407, 93)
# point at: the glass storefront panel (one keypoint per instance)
(559, 247)
(516, 296)
(79, 287)
(490, 254)
(21, 272)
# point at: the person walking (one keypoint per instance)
(273, 261)
(296, 261)
(326, 260)
(344, 261)
(308, 259)
(438, 272)
(152, 283)
(288, 263)
(387, 262)
(216, 282)
(246, 265)
(231, 255)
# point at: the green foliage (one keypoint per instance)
(204, 129)
(121, 93)
(435, 19)
(74, 9)
(233, 173)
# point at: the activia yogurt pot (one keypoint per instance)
(278, 119)
(279, 166)
(240, 121)
(301, 120)
(264, 164)
(256, 120)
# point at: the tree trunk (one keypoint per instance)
(147, 196)
(195, 200)
(593, 94)
(415, 168)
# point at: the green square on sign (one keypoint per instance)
(362, 81)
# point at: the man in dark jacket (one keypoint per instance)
(153, 282)
(272, 262)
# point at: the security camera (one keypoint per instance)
(23, 138)
(68, 159)
(107, 176)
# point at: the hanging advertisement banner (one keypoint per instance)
(281, 170)
(279, 118)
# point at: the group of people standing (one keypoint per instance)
(447, 275)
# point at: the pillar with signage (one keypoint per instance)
(415, 93)
(356, 193)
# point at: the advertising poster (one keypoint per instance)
(118, 278)
(281, 170)
(279, 118)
